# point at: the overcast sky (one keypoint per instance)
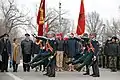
(106, 8)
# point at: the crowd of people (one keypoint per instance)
(111, 54)
(49, 51)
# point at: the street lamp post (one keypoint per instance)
(60, 27)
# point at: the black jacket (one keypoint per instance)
(5, 44)
(60, 45)
(27, 47)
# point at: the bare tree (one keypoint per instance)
(93, 22)
(113, 28)
(52, 18)
(12, 17)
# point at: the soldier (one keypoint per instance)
(51, 46)
(106, 53)
(5, 51)
(118, 54)
(26, 46)
(95, 44)
(86, 58)
(113, 51)
(48, 56)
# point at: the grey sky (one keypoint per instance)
(107, 8)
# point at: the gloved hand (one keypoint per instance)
(50, 57)
(94, 58)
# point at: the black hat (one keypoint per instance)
(114, 37)
(6, 35)
(27, 34)
(85, 35)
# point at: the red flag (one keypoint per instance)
(81, 20)
(41, 18)
(46, 27)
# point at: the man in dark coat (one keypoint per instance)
(72, 46)
(27, 46)
(5, 51)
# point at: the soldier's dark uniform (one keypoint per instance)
(51, 64)
(113, 50)
(47, 56)
(105, 57)
(86, 59)
(95, 55)
(118, 57)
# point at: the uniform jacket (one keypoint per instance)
(95, 44)
(113, 49)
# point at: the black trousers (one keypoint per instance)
(5, 58)
(15, 66)
(51, 69)
(26, 59)
(95, 68)
(0, 65)
(87, 69)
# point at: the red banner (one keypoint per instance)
(41, 18)
(47, 28)
(81, 20)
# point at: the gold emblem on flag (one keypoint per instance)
(41, 21)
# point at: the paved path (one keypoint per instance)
(105, 75)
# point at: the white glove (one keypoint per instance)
(50, 57)
(94, 58)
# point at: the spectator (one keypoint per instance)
(16, 55)
(5, 51)
(59, 56)
(26, 46)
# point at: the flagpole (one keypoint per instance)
(60, 16)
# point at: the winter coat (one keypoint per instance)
(5, 44)
(60, 45)
(16, 55)
(72, 47)
(27, 47)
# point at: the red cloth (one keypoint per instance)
(47, 28)
(81, 20)
(41, 18)
(65, 39)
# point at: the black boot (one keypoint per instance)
(51, 75)
(86, 74)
